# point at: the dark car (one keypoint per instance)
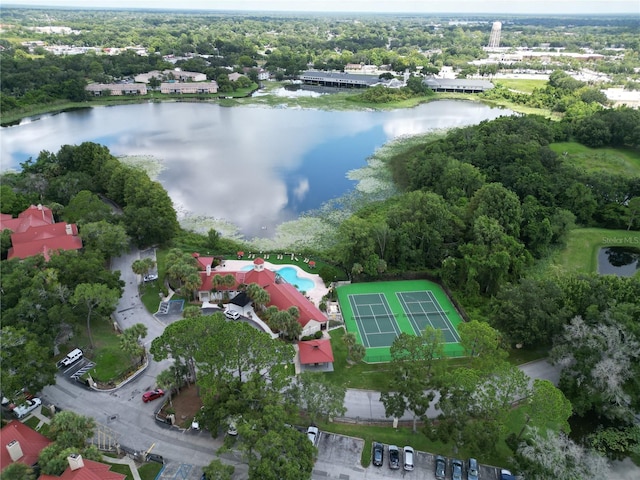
(472, 469)
(152, 395)
(378, 454)
(394, 457)
(441, 468)
(456, 466)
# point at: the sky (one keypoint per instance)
(388, 6)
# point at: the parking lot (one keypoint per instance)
(339, 457)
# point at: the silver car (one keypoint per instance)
(408, 458)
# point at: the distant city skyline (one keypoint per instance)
(497, 7)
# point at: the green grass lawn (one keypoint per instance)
(111, 361)
(623, 161)
(581, 253)
(120, 468)
(521, 84)
(361, 375)
(149, 471)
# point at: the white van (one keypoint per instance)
(72, 357)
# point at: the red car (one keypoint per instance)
(152, 395)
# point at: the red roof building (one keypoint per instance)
(34, 232)
(283, 295)
(20, 443)
(81, 469)
(313, 352)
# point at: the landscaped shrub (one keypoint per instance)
(318, 334)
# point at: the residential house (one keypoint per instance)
(80, 469)
(34, 232)
(177, 75)
(20, 443)
(189, 87)
(99, 89)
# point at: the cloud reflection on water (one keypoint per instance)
(247, 165)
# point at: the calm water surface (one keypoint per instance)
(254, 167)
(621, 261)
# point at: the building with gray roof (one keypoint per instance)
(457, 85)
(338, 79)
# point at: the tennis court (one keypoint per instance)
(378, 312)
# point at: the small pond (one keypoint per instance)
(621, 261)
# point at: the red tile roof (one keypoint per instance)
(31, 443)
(91, 471)
(31, 217)
(35, 233)
(315, 351)
(283, 295)
(44, 239)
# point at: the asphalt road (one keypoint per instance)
(130, 422)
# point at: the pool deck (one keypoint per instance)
(315, 294)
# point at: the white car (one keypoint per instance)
(26, 408)
(150, 277)
(232, 314)
(312, 434)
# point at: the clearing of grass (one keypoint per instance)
(111, 361)
(521, 84)
(361, 375)
(581, 253)
(623, 161)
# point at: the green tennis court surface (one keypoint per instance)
(378, 312)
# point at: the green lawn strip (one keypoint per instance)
(581, 252)
(404, 436)
(361, 375)
(120, 468)
(149, 471)
(32, 422)
(624, 161)
(521, 84)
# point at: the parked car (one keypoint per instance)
(456, 466)
(232, 314)
(150, 277)
(27, 407)
(70, 358)
(312, 434)
(506, 475)
(394, 457)
(408, 458)
(441, 468)
(378, 454)
(472, 469)
(152, 395)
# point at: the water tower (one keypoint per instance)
(494, 39)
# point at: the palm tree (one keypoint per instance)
(349, 340)
(259, 295)
(168, 380)
(130, 340)
(357, 353)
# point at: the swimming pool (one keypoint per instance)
(290, 274)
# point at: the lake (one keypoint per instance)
(254, 167)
